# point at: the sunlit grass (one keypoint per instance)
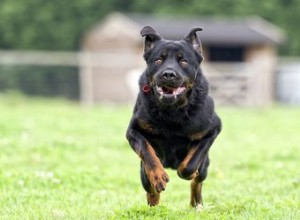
(61, 161)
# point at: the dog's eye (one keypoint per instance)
(158, 61)
(184, 64)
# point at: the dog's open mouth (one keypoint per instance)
(170, 92)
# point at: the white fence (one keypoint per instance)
(40, 73)
(104, 76)
(39, 58)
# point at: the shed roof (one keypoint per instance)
(233, 31)
(247, 30)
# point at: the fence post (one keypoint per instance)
(86, 79)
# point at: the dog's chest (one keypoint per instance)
(172, 133)
(171, 141)
(171, 150)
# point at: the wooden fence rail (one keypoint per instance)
(39, 58)
(230, 83)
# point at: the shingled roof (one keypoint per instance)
(216, 31)
(248, 30)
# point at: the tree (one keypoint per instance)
(60, 24)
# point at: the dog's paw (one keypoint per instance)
(199, 208)
(153, 198)
(158, 179)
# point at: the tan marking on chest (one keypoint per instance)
(146, 126)
(198, 135)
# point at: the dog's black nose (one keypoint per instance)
(169, 75)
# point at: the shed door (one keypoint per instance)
(226, 53)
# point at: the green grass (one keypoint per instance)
(61, 161)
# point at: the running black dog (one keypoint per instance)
(174, 122)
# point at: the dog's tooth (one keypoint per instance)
(159, 90)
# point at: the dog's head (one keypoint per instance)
(171, 65)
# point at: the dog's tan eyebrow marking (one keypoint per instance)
(179, 55)
(164, 53)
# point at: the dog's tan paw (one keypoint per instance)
(158, 179)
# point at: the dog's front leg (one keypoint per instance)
(194, 167)
(154, 177)
(189, 167)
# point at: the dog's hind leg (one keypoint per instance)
(196, 186)
(196, 194)
(152, 195)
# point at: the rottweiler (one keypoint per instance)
(174, 122)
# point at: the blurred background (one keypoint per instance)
(91, 50)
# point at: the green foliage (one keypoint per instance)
(60, 161)
(281, 12)
(40, 24)
(61, 24)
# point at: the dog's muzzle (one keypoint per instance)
(169, 92)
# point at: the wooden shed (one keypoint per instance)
(240, 57)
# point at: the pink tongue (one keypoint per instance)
(168, 90)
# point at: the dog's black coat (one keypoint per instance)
(174, 122)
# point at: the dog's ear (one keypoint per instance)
(193, 39)
(151, 37)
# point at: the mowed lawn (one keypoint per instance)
(61, 161)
